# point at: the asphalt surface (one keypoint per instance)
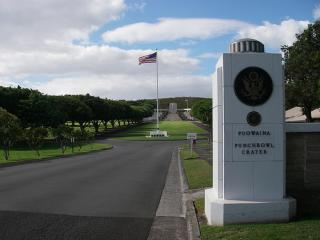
(111, 194)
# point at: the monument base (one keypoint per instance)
(158, 133)
(220, 212)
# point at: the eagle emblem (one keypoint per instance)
(253, 86)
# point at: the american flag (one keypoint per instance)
(151, 58)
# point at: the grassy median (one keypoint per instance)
(198, 171)
(306, 228)
(25, 154)
(177, 130)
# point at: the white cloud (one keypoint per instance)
(38, 51)
(316, 12)
(188, 43)
(72, 59)
(120, 86)
(137, 6)
(104, 71)
(170, 29)
(29, 23)
(275, 35)
(210, 55)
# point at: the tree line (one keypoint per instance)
(202, 110)
(29, 115)
(302, 71)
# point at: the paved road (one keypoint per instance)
(105, 195)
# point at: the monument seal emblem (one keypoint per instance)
(253, 118)
(253, 86)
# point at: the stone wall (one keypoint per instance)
(303, 171)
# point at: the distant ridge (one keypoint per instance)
(181, 101)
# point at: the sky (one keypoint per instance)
(76, 47)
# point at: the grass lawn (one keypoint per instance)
(24, 154)
(198, 171)
(306, 228)
(177, 130)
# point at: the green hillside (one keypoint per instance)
(164, 102)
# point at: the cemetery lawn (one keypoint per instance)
(304, 228)
(198, 171)
(177, 130)
(26, 154)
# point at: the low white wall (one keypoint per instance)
(302, 127)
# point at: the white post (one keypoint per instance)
(157, 92)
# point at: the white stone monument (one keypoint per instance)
(173, 107)
(248, 138)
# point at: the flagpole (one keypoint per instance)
(157, 91)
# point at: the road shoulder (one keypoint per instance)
(175, 217)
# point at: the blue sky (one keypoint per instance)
(81, 46)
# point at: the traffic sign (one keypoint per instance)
(191, 136)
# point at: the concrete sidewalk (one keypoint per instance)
(175, 217)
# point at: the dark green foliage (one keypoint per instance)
(140, 112)
(76, 110)
(302, 70)
(10, 131)
(99, 109)
(10, 98)
(202, 110)
(36, 112)
(144, 102)
(40, 110)
(35, 137)
(35, 109)
(80, 138)
(62, 135)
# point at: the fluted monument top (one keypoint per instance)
(246, 45)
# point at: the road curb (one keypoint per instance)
(168, 222)
(191, 216)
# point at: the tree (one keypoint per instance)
(302, 70)
(11, 97)
(62, 134)
(98, 108)
(113, 112)
(122, 111)
(203, 111)
(106, 113)
(40, 110)
(35, 137)
(80, 137)
(137, 113)
(10, 131)
(76, 110)
(84, 116)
